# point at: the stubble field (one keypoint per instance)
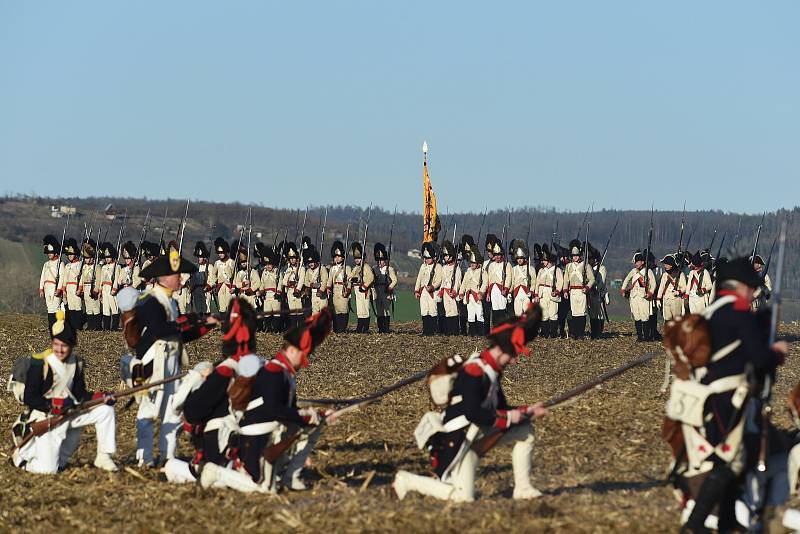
(599, 460)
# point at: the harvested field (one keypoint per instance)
(598, 460)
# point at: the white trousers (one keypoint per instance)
(53, 449)
(474, 310)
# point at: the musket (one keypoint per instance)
(736, 237)
(758, 234)
(389, 254)
(506, 229)
(344, 261)
(119, 244)
(583, 222)
(96, 261)
(586, 249)
(647, 255)
(608, 243)
(39, 428)
(528, 248)
(766, 389)
(235, 254)
(143, 236)
(485, 444)
(281, 255)
(713, 238)
(689, 239)
(182, 227)
(721, 243)
(163, 227)
(480, 230)
(249, 236)
(296, 226)
(416, 377)
(556, 239)
(364, 248)
(61, 252)
(683, 224)
(322, 248)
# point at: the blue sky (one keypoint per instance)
(288, 103)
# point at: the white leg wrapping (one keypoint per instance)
(463, 477)
(405, 482)
(217, 476)
(178, 472)
(522, 437)
(301, 450)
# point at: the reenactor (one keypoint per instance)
(523, 276)
(475, 406)
(160, 353)
(202, 282)
(762, 293)
(449, 289)
(638, 287)
(150, 251)
(247, 281)
(52, 271)
(652, 321)
(429, 279)
(292, 283)
(465, 249)
(224, 268)
(491, 239)
(90, 286)
(316, 281)
(698, 285)
(269, 289)
(564, 305)
(73, 302)
(549, 280)
(339, 287)
(671, 289)
(598, 296)
(498, 276)
(111, 272)
(272, 415)
(383, 288)
(361, 280)
(55, 382)
(578, 282)
(129, 273)
(473, 291)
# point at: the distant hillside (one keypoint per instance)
(25, 220)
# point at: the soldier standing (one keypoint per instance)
(128, 276)
(428, 281)
(111, 272)
(202, 281)
(698, 285)
(247, 281)
(762, 293)
(523, 276)
(361, 280)
(150, 251)
(269, 289)
(498, 276)
(316, 281)
(292, 284)
(671, 289)
(52, 271)
(383, 288)
(90, 286)
(449, 288)
(549, 280)
(564, 304)
(224, 268)
(339, 288)
(638, 287)
(598, 295)
(473, 291)
(69, 284)
(578, 282)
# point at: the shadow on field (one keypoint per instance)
(607, 486)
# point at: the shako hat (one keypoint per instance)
(513, 334)
(62, 329)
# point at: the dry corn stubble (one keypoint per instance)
(598, 460)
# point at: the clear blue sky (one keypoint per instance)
(289, 103)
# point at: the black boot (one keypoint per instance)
(594, 328)
(714, 489)
(364, 325)
(580, 325)
(654, 335)
(115, 322)
(646, 331)
(106, 322)
(453, 326)
(471, 329)
(75, 319)
(340, 323)
(462, 320)
(387, 325)
(639, 331)
(51, 319)
(487, 317)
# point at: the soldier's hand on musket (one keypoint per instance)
(114, 291)
(554, 293)
(504, 291)
(648, 296)
(322, 294)
(538, 410)
(58, 293)
(782, 348)
(310, 416)
(107, 397)
(452, 293)
(330, 416)
(585, 290)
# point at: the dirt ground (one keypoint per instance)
(598, 460)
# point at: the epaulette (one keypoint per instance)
(473, 369)
(273, 367)
(40, 356)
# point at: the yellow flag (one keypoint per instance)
(431, 225)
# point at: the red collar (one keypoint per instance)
(740, 304)
(281, 357)
(489, 359)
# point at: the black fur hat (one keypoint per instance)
(221, 246)
(50, 244)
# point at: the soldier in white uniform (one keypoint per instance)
(449, 289)
(473, 291)
(428, 281)
(247, 281)
(90, 286)
(549, 281)
(50, 278)
(292, 283)
(698, 285)
(598, 296)
(338, 287)
(523, 276)
(763, 292)
(671, 289)
(202, 282)
(578, 282)
(269, 289)
(150, 251)
(223, 268)
(129, 270)
(316, 281)
(73, 303)
(638, 287)
(111, 272)
(361, 280)
(498, 276)
(55, 383)
(383, 288)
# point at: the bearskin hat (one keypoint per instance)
(337, 249)
(71, 246)
(260, 250)
(513, 334)
(491, 239)
(593, 253)
(170, 263)
(149, 249)
(495, 248)
(305, 243)
(537, 251)
(107, 250)
(575, 248)
(50, 244)
(290, 250)
(308, 335)
(563, 252)
(200, 250)
(357, 250)
(379, 251)
(129, 250)
(448, 249)
(519, 249)
(475, 257)
(221, 246)
(468, 244)
(429, 250)
(88, 248)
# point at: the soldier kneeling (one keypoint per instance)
(476, 412)
(54, 385)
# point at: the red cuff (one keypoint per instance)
(225, 371)
(98, 395)
(307, 419)
(502, 420)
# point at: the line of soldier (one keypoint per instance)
(469, 300)
(284, 278)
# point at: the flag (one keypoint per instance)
(431, 224)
